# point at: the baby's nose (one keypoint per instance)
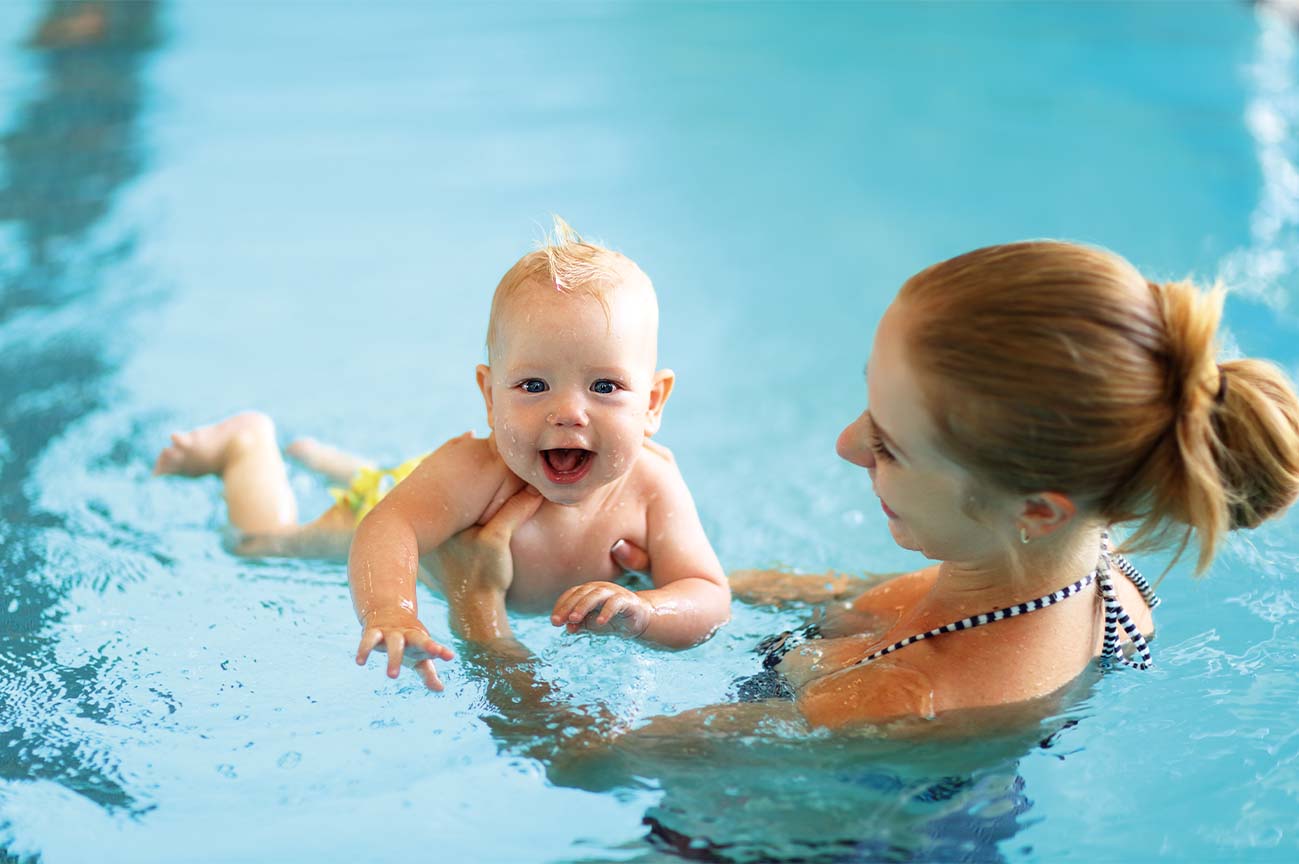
(569, 413)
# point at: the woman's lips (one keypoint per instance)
(565, 466)
(887, 512)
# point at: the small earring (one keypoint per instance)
(1023, 535)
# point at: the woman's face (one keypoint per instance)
(934, 506)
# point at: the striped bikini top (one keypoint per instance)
(1112, 651)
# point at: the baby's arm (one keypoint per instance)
(690, 599)
(448, 492)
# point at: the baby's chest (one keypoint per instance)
(553, 555)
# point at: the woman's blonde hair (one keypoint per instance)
(568, 264)
(1051, 366)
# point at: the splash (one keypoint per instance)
(1260, 270)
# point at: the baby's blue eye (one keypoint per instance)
(604, 386)
(534, 385)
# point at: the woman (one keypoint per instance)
(1024, 400)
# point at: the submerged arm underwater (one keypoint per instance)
(589, 747)
(533, 717)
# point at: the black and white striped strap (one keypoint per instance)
(989, 617)
(1135, 577)
(1115, 616)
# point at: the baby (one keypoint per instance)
(572, 399)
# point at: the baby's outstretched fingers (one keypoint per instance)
(370, 639)
(421, 645)
(395, 644)
(429, 675)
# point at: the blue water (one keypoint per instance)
(303, 207)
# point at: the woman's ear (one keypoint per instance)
(1043, 514)
(484, 375)
(660, 390)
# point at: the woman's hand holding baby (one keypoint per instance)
(602, 607)
(476, 569)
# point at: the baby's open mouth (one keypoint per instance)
(566, 465)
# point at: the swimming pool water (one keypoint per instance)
(303, 208)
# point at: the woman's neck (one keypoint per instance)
(1039, 568)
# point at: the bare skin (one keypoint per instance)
(834, 691)
(573, 398)
(242, 451)
(338, 465)
(1009, 549)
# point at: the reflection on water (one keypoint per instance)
(948, 789)
(73, 145)
(826, 800)
(366, 168)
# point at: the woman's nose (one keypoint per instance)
(854, 445)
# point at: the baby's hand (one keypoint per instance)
(402, 635)
(602, 607)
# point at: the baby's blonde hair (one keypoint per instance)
(567, 264)
(1052, 366)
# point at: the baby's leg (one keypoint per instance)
(330, 536)
(241, 449)
(338, 465)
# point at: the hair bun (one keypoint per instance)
(1190, 318)
(1257, 433)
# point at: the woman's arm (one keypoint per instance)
(779, 587)
(476, 569)
(770, 587)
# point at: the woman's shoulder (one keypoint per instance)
(888, 689)
(977, 669)
(896, 592)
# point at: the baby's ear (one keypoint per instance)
(484, 375)
(660, 390)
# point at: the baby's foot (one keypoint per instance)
(207, 449)
(338, 465)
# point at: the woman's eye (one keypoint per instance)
(880, 450)
(604, 386)
(533, 385)
(877, 445)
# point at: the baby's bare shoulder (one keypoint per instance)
(656, 472)
(465, 470)
(467, 447)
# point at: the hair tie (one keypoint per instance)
(1221, 395)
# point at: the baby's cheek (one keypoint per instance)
(512, 450)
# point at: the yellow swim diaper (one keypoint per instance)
(371, 484)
